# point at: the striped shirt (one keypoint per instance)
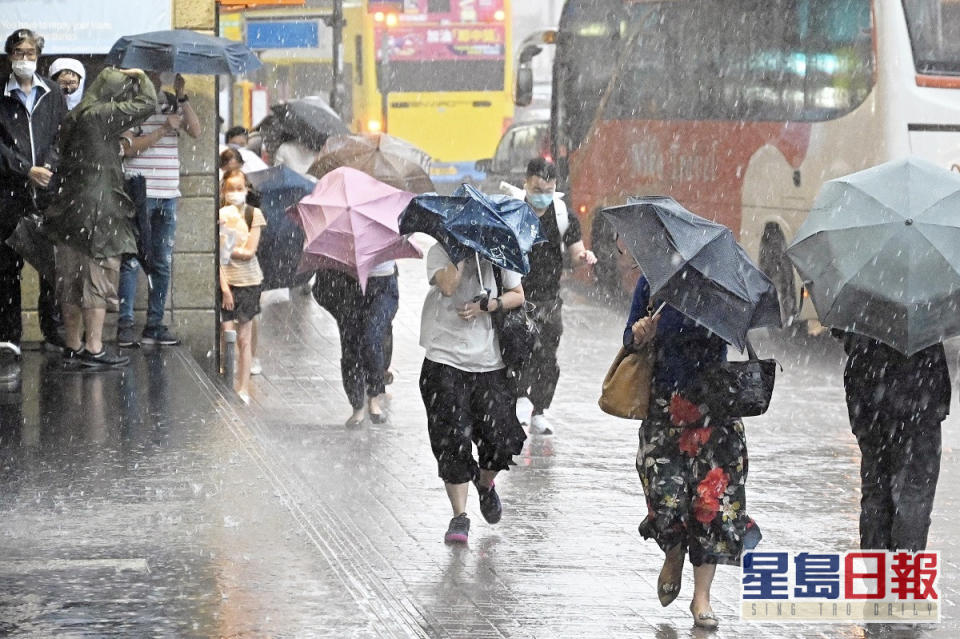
(160, 163)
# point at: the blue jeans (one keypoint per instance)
(163, 226)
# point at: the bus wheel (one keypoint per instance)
(777, 266)
(604, 246)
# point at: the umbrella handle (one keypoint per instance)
(479, 273)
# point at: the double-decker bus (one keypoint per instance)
(741, 109)
(438, 73)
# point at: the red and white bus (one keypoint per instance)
(741, 109)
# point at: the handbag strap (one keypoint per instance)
(498, 276)
(751, 354)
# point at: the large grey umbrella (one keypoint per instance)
(697, 267)
(880, 254)
(182, 51)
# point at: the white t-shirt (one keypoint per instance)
(470, 345)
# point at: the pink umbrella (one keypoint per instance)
(350, 223)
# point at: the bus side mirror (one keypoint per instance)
(524, 92)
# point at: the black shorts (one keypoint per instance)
(246, 304)
(464, 408)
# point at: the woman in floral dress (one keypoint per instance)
(693, 467)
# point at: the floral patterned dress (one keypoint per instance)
(693, 467)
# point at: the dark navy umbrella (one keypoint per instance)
(281, 242)
(182, 51)
(697, 267)
(500, 228)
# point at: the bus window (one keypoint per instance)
(796, 60)
(934, 27)
(445, 75)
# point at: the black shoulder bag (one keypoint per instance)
(737, 389)
(516, 330)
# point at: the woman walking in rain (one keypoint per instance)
(896, 404)
(363, 319)
(693, 467)
(91, 218)
(464, 385)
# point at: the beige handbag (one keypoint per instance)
(626, 388)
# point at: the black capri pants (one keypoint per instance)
(464, 408)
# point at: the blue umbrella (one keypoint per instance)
(281, 243)
(500, 228)
(697, 267)
(182, 51)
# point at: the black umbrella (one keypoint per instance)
(696, 266)
(182, 51)
(281, 242)
(308, 120)
(502, 229)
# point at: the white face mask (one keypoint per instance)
(24, 68)
(237, 198)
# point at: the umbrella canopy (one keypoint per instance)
(308, 120)
(281, 242)
(391, 160)
(500, 228)
(880, 254)
(697, 267)
(351, 219)
(182, 51)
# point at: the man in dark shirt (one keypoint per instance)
(541, 286)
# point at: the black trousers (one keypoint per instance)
(542, 372)
(363, 320)
(11, 326)
(899, 468)
(464, 408)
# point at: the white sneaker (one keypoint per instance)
(255, 368)
(244, 397)
(540, 426)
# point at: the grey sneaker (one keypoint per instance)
(126, 337)
(490, 506)
(159, 335)
(459, 530)
(103, 359)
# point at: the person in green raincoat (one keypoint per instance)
(91, 219)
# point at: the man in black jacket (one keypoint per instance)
(31, 109)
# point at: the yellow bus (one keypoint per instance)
(437, 73)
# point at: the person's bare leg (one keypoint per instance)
(72, 326)
(457, 493)
(93, 324)
(702, 580)
(243, 357)
(254, 336)
(486, 478)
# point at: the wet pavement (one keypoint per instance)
(148, 503)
